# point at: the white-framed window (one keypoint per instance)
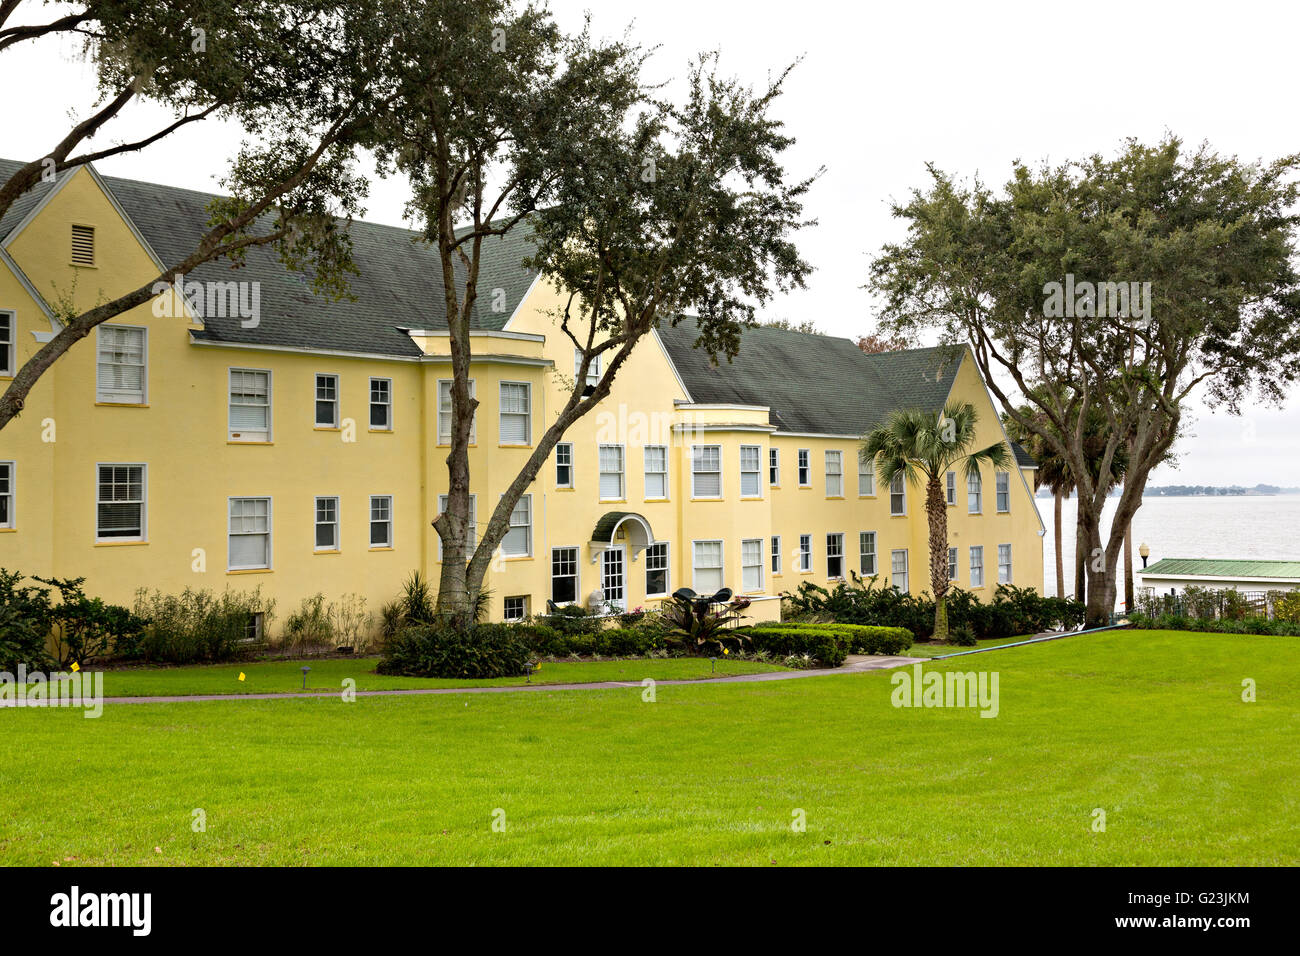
(83, 245)
(974, 494)
(835, 555)
(706, 566)
(593, 368)
(774, 467)
(564, 575)
(898, 495)
(516, 413)
(834, 474)
(1004, 564)
(8, 479)
(706, 471)
(471, 538)
(250, 404)
(1002, 486)
(867, 553)
(381, 404)
(249, 537)
(327, 401)
(976, 566)
(381, 521)
(898, 569)
(866, 477)
(950, 487)
(952, 564)
(612, 487)
(656, 570)
(121, 364)
(327, 524)
(776, 554)
(805, 552)
(805, 469)
(445, 417)
(751, 565)
(518, 541)
(564, 464)
(8, 342)
(656, 471)
(120, 502)
(751, 473)
(516, 608)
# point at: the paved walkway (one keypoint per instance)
(855, 664)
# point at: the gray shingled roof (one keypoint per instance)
(1023, 458)
(399, 285)
(812, 383)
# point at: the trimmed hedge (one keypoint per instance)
(477, 652)
(820, 643)
(1246, 625)
(860, 638)
(547, 641)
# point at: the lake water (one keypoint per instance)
(1228, 527)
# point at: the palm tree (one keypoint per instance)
(923, 447)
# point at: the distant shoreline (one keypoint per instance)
(1179, 491)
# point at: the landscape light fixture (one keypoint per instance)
(305, 669)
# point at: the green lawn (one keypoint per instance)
(940, 650)
(1149, 726)
(277, 677)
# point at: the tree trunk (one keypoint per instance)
(936, 511)
(1128, 569)
(1060, 558)
(1080, 551)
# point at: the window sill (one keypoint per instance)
(447, 444)
(8, 530)
(866, 496)
(613, 501)
(512, 445)
(896, 514)
(693, 498)
(388, 548)
(328, 551)
(751, 497)
(326, 428)
(518, 557)
(805, 487)
(834, 497)
(566, 488)
(652, 501)
(121, 404)
(119, 544)
(380, 431)
(237, 441)
(250, 571)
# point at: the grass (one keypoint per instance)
(327, 676)
(939, 650)
(1148, 726)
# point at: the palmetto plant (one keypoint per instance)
(923, 447)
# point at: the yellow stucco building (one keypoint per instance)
(250, 433)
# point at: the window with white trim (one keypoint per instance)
(564, 575)
(950, 487)
(120, 503)
(707, 567)
(249, 537)
(866, 477)
(593, 368)
(976, 566)
(898, 569)
(381, 521)
(656, 570)
(381, 404)
(445, 417)
(327, 401)
(835, 555)
(774, 467)
(867, 553)
(250, 404)
(706, 471)
(327, 524)
(7, 481)
(805, 469)
(751, 565)
(776, 554)
(1004, 564)
(516, 415)
(805, 552)
(751, 473)
(564, 465)
(898, 495)
(834, 474)
(952, 564)
(1002, 491)
(974, 494)
(656, 471)
(518, 541)
(611, 473)
(515, 608)
(121, 362)
(471, 535)
(8, 342)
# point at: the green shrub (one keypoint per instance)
(477, 652)
(196, 625)
(1246, 625)
(963, 636)
(572, 619)
(1286, 606)
(310, 629)
(77, 627)
(860, 638)
(26, 617)
(821, 644)
(628, 642)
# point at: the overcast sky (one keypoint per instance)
(882, 89)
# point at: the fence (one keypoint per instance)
(1209, 603)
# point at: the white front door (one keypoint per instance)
(611, 577)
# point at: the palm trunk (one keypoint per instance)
(1080, 552)
(936, 510)
(1060, 558)
(1128, 569)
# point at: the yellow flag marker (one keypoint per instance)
(241, 675)
(75, 667)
